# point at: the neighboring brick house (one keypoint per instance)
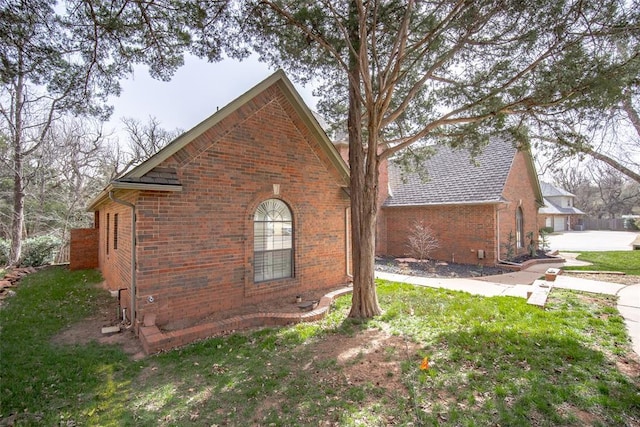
(250, 205)
(559, 211)
(471, 205)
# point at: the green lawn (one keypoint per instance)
(624, 261)
(492, 361)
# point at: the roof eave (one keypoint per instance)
(145, 186)
(104, 194)
(474, 202)
(116, 185)
(533, 175)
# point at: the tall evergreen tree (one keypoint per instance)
(68, 59)
(407, 74)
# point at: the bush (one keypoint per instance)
(39, 250)
(543, 243)
(510, 247)
(546, 230)
(5, 248)
(422, 240)
(631, 224)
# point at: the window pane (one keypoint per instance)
(273, 241)
(260, 236)
(519, 228)
(271, 265)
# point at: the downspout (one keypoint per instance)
(501, 261)
(132, 308)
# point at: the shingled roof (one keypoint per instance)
(551, 208)
(454, 178)
(549, 190)
(157, 175)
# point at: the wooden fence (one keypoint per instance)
(62, 257)
(615, 224)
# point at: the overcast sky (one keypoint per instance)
(194, 93)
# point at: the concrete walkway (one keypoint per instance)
(592, 240)
(517, 284)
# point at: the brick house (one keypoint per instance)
(250, 205)
(559, 211)
(471, 205)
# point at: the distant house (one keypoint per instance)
(474, 207)
(559, 211)
(250, 205)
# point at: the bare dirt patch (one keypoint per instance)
(623, 279)
(630, 365)
(372, 356)
(586, 418)
(90, 329)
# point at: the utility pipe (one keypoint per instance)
(133, 253)
(498, 235)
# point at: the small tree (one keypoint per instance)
(421, 241)
(510, 247)
(532, 247)
(544, 239)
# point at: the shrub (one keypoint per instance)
(422, 240)
(39, 250)
(544, 239)
(532, 247)
(546, 230)
(5, 248)
(510, 246)
(631, 224)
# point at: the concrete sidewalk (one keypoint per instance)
(517, 284)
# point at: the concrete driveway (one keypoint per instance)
(592, 240)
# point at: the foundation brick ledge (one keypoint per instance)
(154, 340)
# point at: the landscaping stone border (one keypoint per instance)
(11, 279)
(154, 340)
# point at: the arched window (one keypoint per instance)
(272, 241)
(519, 228)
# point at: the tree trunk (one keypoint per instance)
(363, 225)
(17, 222)
(364, 184)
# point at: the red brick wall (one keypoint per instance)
(462, 230)
(115, 264)
(383, 194)
(84, 249)
(519, 191)
(195, 247)
(542, 221)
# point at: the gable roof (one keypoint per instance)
(151, 175)
(551, 208)
(549, 190)
(454, 178)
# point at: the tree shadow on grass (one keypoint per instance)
(287, 376)
(509, 378)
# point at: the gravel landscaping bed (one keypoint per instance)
(430, 268)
